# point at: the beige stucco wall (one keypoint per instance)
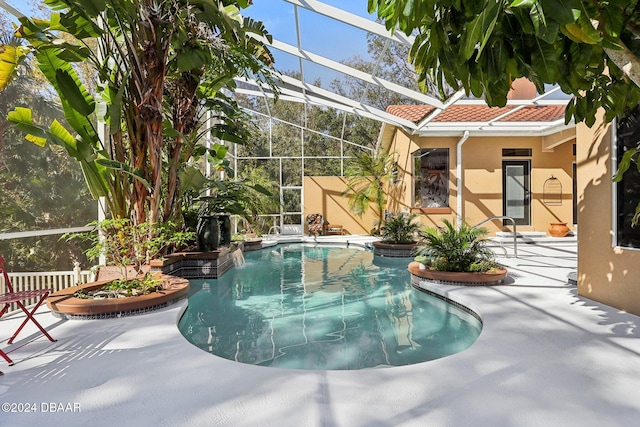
(605, 273)
(323, 194)
(482, 178)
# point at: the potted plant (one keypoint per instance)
(457, 255)
(398, 236)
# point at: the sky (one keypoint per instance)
(319, 34)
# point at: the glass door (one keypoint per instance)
(516, 195)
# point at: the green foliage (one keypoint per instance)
(399, 228)
(253, 195)
(123, 287)
(423, 259)
(367, 177)
(457, 250)
(484, 46)
(125, 244)
(161, 65)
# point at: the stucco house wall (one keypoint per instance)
(323, 194)
(606, 273)
(482, 178)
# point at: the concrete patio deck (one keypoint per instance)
(545, 357)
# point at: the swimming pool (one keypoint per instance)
(320, 307)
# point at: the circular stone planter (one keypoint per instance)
(393, 250)
(457, 278)
(63, 304)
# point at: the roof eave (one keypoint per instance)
(496, 129)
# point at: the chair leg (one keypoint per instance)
(30, 316)
(4, 355)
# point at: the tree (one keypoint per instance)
(161, 65)
(368, 176)
(591, 49)
(388, 60)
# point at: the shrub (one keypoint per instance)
(125, 244)
(399, 228)
(457, 250)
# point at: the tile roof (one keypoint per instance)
(479, 113)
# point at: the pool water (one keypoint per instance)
(320, 307)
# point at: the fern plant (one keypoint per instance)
(457, 250)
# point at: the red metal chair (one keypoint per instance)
(18, 297)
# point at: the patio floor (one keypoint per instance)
(545, 357)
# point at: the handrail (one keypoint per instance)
(515, 234)
(275, 228)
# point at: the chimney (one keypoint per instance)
(522, 89)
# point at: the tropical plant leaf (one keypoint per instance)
(93, 174)
(191, 178)
(480, 29)
(10, 58)
(260, 189)
(582, 33)
(73, 93)
(545, 29)
(122, 167)
(625, 163)
(561, 11)
(22, 118)
(545, 59)
(523, 3)
(191, 59)
(50, 65)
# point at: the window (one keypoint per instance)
(516, 152)
(431, 178)
(628, 190)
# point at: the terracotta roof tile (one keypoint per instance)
(413, 113)
(479, 113)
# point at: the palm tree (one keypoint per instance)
(368, 176)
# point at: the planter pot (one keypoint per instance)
(450, 277)
(225, 229)
(208, 231)
(559, 229)
(394, 250)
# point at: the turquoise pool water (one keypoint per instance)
(319, 307)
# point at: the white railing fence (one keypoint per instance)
(54, 280)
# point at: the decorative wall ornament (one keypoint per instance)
(552, 192)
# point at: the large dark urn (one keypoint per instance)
(225, 229)
(208, 231)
